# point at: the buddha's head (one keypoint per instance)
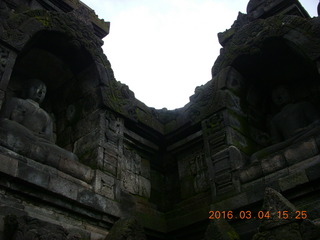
(36, 90)
(281, 96)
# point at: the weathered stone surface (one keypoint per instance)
(104, 184)
(8, 165)
(33, 175)
(252, 172)
(64, 187)
(313, 172)
(287, 232)
(30, 228)
(145, 168)
(220, 230)
(230, 78)
(126, 229)
(145, 187)
(310, 230)
(285, 221)
(275, 204)
(87, 144)
(293, 180)
(130, 182)
(192, 172)
(301, 151)
(270, 165)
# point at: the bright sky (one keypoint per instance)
(163, 49)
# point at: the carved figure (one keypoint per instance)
(27, 129)
(294, 122)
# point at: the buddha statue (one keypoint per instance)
(27, 129)
(294, 122)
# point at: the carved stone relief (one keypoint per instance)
(193, 173)
(133, 177)
(22, 228)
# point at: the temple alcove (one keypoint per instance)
(66, 68)
(278, 62)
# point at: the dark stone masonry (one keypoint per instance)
(81, 158)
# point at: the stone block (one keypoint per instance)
(87, 143)
(104, 184)
(253, 185)
(233, 102)
(229, 78)
(110, 155)
(110, 169)
(237, 161)
(223, 178)
(144, 187)
(145, 168)
(128, 228)
(63, 187)
(132, 161)
(251, 173)
(301, 151)
(254, 190)
(221, 161)
(293, 180)
(274, 203)
(184, 168)
(234, 202)
(93, 157)
(256, 194)
(313, 172)
(310, 229)
(90, 101)
(157, 180)
(187, 187)
(272, 164)
(220, 230)
(201, 182)
(222, 165)
(305, 164)
(76, 169)
(93, 200)
(130, 182)
(240, 141)
(89, 124)
(112, 138)
(2, 99)
(33, 175)
(8, 165)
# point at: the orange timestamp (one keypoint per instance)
(257, 215)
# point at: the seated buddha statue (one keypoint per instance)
(27, 129)
(294, 122)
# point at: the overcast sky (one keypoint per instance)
(163, 49)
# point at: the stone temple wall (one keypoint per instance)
(113, 158)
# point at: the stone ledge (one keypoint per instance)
(281, 180)
(55, 181)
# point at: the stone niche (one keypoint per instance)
(68, 71)
(279, 63)
(47, 46)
